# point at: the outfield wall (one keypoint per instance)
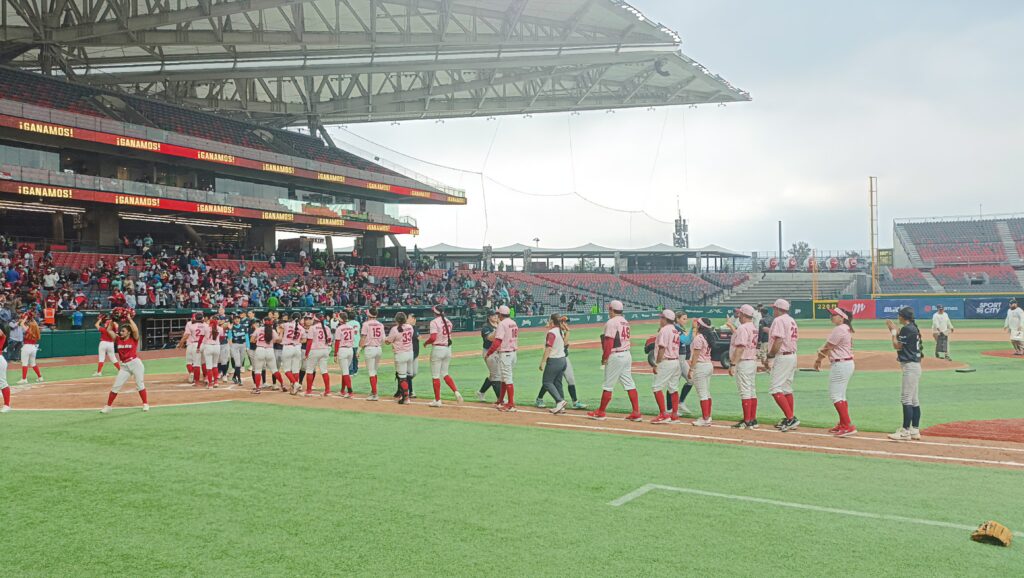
(988, 307)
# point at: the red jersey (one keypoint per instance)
(103, 331)
(127, 349)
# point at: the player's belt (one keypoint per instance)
(788, 353)
(843, 359)
(129, 360)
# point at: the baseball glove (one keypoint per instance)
(993, 533)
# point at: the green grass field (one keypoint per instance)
(259, 489)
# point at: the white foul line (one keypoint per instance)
(132, 407)
(790, 445)
(809, 507)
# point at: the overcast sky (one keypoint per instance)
(926, 95)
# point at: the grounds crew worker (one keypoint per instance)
(942, 327)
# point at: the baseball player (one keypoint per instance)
(263, 338)
(907, 343)
(105, 325)
(239, 347)
(942, 328)
(30, 348)
(190, 341)
(838, 349)
(553, 362)
(126, 340)
(666, 367)
(493, 379)
(685, 340)
(344, 349)
(743, 366)
(505, 345)
(292, 335)
(1014, 325)
(317, 350)
(278, 353)
(5, 388)
(400, 338)
(440, 341)
(353, 321)
(618, 363)
(780, 360)
(225, 346)
(701, 368)
(372, 338)
(210, 348)
(567, 375)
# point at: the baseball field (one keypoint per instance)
(224, 483)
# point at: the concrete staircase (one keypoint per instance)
(933, 282)
(790, 286)
(908, 245)
(1012, 254)
(1020, 276)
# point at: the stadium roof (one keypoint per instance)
(287, 62)
(588, 250)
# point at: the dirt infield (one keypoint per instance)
(1001, 430)
(1004, 353)
(169, 390)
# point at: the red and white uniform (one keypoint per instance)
(616, 356)
(745, 336)
(210, 347)
(131, 365)
(703, 369)
(841, 358)
(263, 358)
(318, 348)
(344, 342)
(400, 339)
(4, 386)
(106, 347)
(441, 352)
(506, 341)
(783, 331)
(669, 369)
(193, 331)
(29, 349)
(292, 334)
(372, 339)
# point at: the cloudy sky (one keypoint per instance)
(923, 94)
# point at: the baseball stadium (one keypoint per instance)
(225, 351)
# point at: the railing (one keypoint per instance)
(404, 170)
(960, 218)
(111, 126)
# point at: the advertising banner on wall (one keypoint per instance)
(986, 307)
(821, 308)
(924, 307)
(801, 309)
(861, 308)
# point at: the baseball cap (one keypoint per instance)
(747, 310)
(669, 314)
(839, 312)
(781, 304)
(907, 313)
(940, 306)
(503, 310)
(616, 305)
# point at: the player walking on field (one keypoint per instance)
(618, 363)
(780, 361)
(440, 341)
(126, 341)
(942, 328)
(5, 388)
(666, 367)
(292, 336)
(493, 379)
(701, 368)
(553, 361)
(317, 351)
(210, 347)
(239, 346)
(264, 338)
(344, 350)
(743, 367)
(190, 341)
(104, 325)
(30, 348)
(1014, 325)
(400, 339)
(505, 346)
(372, 339)
(907, 343)
(838, 349)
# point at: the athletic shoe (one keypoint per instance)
(684, 409)
(752, 424)
(191, 378)
(539, 403)
(402, 400)
(412, 396)
(313, 395)
(398, 394)
(915, 434)
(236, 381)
(481, 396)
(106, 409)
(791, 424)
(661, 419)
(458, 397)
(597, 414)
(948, 358)
(836, 429)
(435, 403)
(579, 405)
(97, 374)
(637, 417)
(5, 409)
(782, 424)
(847, 431)
(145, 407)
(256, 391)
(901, 435)
(701, 422)
(672, 419)
(510, 409)
(348, 395)
(372, 397)
(740, 425)
(22, 382)
(559, 407)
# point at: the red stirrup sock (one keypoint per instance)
(7, 395)
(705, 408)
(111, 397)
(746, 409)
(844, 412)
(188, 368)
(195, 374)
(117, 365)
(405, 386)
(257, 379)
(780, 398)
(634, 399)
(659, 396)
(792, 404)
(35, 368)
(437, 389)
(99, 367)
(373, 384)
(451, 383)
(675, 403)
(606, 398)
(309, 383)
(346, 383)
(24, 372)
(753, 409)
(327, 383)
(511, 389)
(501, 395)
(144, 395)
(278, 374)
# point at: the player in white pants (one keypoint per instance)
(440, 341)
(344, 352)
(838, 349)
(744, 366)
(780, 359)
(292, 335)
(701, 368)
(317, 350)
(5, 388)
(263, 355)
(618, 363)
(106, 346)
(372, 333)
(126, 341)
(504, 345)
(400, 338)
(666, 367)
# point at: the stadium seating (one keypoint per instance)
(49, 93)
(955, 242)
(609, 287)
(726, 280)
(314, 148)
(904, 281)
(963, 253)
(679, 287)
(198, 124)
(994, 278)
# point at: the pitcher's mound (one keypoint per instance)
(1000, 430)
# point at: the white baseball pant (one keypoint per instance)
(345, 359)
(225, 354)
(133, 368)
(192, 355)
(263, 358)
(493, 367)
(746, 375)
(211, 354)
(619, 369)
(291, 359)
(28, 354)
(783, 370)
(440, 359)
(910, 383)
(668, 375)
(506, 365)
(702, 373)
(403, 364)
(371, 356)
(838, 378)
(317, 360)
(106, 352)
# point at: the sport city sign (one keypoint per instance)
(986, 307)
